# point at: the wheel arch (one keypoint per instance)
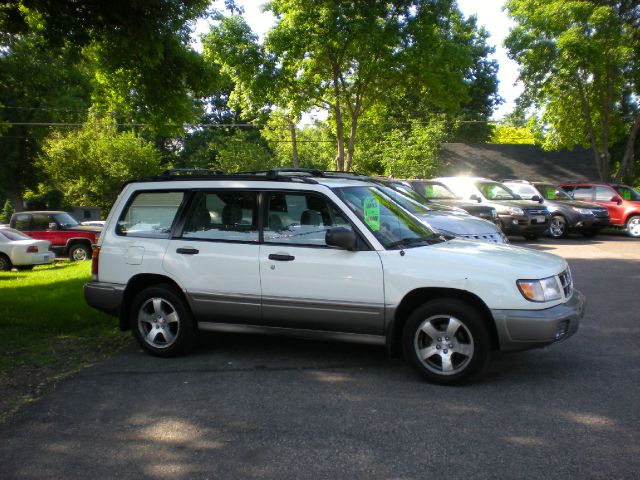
(138, 283)
(75, 241)
(419, 296)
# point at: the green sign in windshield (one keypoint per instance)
(551, 193)
(626, 194)
(372, 213)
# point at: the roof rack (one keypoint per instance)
(192, 171)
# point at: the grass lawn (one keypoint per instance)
(48, 331)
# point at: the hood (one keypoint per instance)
(574, 203)
(458, 224)
(464, 204)
(503, 259)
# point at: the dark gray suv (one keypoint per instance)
(567, 214)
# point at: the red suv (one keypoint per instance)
(67, 236)
(622, 201)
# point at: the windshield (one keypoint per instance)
(393, 226)
(65, 220)
(11, 234)
(552, 192)
(495, 191)
(628, 193)
(434, 190)
(407, 203)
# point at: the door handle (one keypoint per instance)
(187, 251)
(281, 257)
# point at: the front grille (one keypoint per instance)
(600, 213)
(567, 282)
(537, 211)
(484, 237)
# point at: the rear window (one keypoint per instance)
(150, 214)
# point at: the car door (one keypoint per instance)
(309, 285)
(215, 256)
(609, 198)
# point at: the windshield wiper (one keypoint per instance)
(410, 242)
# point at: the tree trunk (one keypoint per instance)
(355, 114)
(17, 200)
(294, 145)
(586, 113)
(626, 166)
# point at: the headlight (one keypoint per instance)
(583, 211)
(543, 290)
(516, 211)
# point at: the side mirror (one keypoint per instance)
(341, 237)
(475, 197)
(616, 200)
(537, 198)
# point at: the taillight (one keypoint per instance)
(32, 249)
(94, 262)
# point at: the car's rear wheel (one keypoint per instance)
(5, 263)
(80, 252)
(446, 341)
(633, 226)
(558, 227)
(161, 321)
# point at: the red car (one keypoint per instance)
(67, 236)
(622, 201)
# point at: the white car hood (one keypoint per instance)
(458, 224)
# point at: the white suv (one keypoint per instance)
(319, 257)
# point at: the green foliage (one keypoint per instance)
(90, 164)
(36, 87)
(43, 199)
(580, 64)
(242, 151)
(6, 212)
(508, 134)
(405, 152)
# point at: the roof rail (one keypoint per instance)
(192, 171)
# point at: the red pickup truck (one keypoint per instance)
(67, 236)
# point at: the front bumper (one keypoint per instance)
(524, 224)
(526, 329)
(588, 222)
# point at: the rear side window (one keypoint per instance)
(223, 215)
(23, 222)
(583, 193)
(150, 214)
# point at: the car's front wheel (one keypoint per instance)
(446, 341)
(161, 321)
(633, 226)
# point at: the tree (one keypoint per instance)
(580, 64)
(91, 164)
(348, 56)
(37, 88)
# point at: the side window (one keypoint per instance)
(604, 194)
(150, 214)
(23, 222)
(300, 218)
(223, 215)
(583, 193)
(42, 222)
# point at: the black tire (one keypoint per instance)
(531, 236)
(633, 226)
(5, 263)
(452, 337)
(161, 322)
(80, 252)
(558, 227)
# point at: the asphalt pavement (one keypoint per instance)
(261, 407)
